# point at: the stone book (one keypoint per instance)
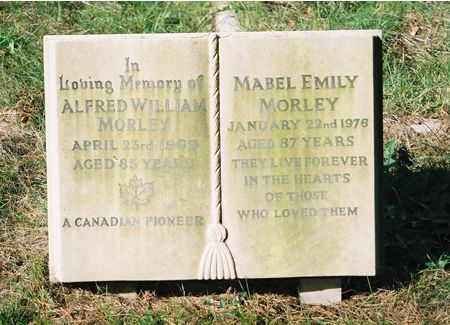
(213, 156)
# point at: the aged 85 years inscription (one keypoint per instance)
(128, 156)
(297, 153)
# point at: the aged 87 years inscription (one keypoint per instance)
(128, 156)
(298, 163)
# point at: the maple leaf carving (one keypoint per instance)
(136, 192)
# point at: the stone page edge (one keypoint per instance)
(51, 133)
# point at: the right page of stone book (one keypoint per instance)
(297, 144)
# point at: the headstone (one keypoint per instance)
(212, 156)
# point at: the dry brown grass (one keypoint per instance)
(23, 273)
(431, 143)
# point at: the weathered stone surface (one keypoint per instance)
(298, 165)
(128, 156)
(320, 291)
(134, 180)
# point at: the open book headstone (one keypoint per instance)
(209, 156)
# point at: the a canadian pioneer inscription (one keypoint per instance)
(134, 182)
(297, 122)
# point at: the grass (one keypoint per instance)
(415, 287)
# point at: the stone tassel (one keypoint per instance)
(217, 261)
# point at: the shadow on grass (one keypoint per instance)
(416, 231)
(416, 225)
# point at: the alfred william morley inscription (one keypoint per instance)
(185, 156)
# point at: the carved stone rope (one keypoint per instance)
(217, 261)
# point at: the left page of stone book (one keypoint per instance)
(128, 155)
